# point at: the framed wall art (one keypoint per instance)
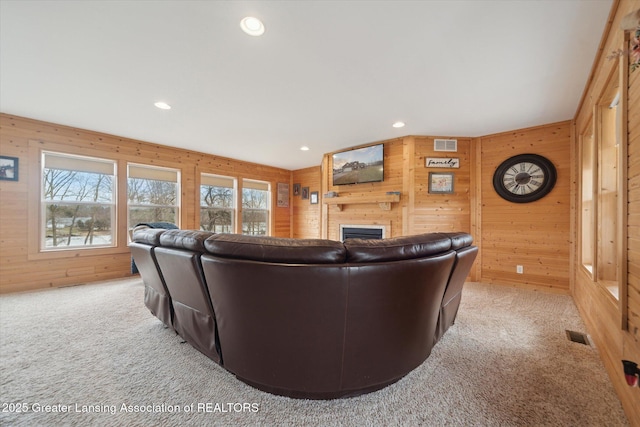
(283, 195)
(441, 182)
(9, 168)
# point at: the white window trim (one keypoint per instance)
(78, 161)
(156, 173)
(213, 180)
(262, 186)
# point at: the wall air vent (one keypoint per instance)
(445, 145)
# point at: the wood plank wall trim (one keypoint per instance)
(307, 218)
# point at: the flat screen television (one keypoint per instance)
(360, 165)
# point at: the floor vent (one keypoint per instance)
(578, 337)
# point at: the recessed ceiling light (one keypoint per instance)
(398, 125)
(162, 105)
(304, 148)
(252, 26)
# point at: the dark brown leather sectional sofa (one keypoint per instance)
(306, 318)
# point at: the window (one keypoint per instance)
(588, 205)
(255, 207)
(78, 201)
(601, 202)
(607, 189)
(217, 203)
(153, 194)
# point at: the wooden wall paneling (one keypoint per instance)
(442, 212)
(535, 235)
(324, 185)
(122, 232)
(307, 217)
(189, 192)
(475, 204)
(622, 173)
(291, 217)
(632, 190)
(573, 211)
(27, 268)
(408, 198)
(238, 224)
(197, 181)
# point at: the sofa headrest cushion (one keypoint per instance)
(149, 236)
(397, 248)
(459, 239)
(276, 249)
(185, 239)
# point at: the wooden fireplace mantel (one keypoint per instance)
(384, 201)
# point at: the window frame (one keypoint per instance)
(590, 228)
(157, 169)
(610, 142)
(234, 195)
(80, 160)
(255, 185)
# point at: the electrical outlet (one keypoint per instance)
(519, 269)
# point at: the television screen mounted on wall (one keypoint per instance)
(364, 164)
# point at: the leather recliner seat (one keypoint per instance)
(178, 258)
(313, 318)
(156, 294)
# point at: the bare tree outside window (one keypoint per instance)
(255, 211)
(78, 205)
(152, 200)
(216, 208)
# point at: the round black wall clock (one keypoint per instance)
(524, 178)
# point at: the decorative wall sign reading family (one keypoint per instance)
(442, 162)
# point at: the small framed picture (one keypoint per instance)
(296, 189)
(305, 193)
(283, 195)
(314, 198)
(441, 182)
(9, 168)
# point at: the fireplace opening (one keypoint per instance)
(361, 232)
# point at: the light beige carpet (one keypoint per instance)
(97, 353)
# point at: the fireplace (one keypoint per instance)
(361, 231)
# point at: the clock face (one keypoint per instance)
(524, 178)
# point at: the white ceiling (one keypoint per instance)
(326, 74)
